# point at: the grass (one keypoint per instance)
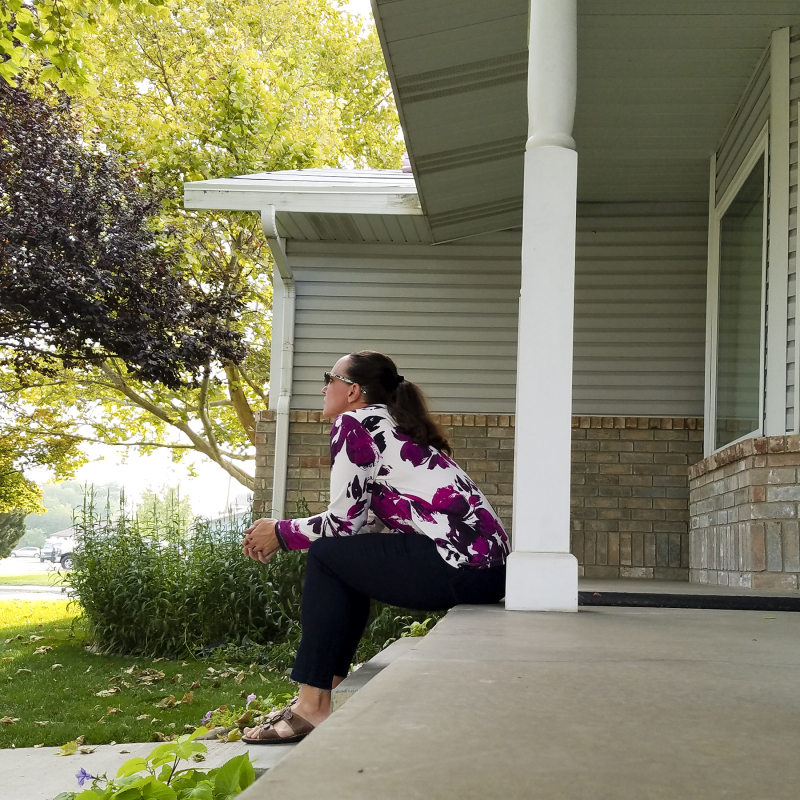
(37, 579)
(56, 704)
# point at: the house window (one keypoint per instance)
(740, 308)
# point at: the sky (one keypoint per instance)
(359, 7)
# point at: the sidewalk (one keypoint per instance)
(40, 774)
(605, 704)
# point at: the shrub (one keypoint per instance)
(160, 588)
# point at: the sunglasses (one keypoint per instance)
(329, 376)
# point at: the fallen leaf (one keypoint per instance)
(80, 740)
(190, 728)
(102, 720)
(40, 651)
(122, 752)
(34, 638)
(13, 638)
(225, 674)
(56, 666)
(7, 658)
(156, 660)
(130, 670)
(157, 736)
(43, 723)
(108, 692)
(112, 710)
(263, 679)
(37, 746)
(150, 676)
(68, 749)
(195, 685)
(111, 744)
(142, 716)
(211, 671)
(198, 757)
(166, 702)
(29, 671)
(115, 679)
(240, 677)
(127, 685)
(88, 669)
(87, 750)
(187, 699)
(9, 720)
(184, 663)
(234, 735)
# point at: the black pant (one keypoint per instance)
(343, 573)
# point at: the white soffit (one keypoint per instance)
(658, 82)
(323, 204)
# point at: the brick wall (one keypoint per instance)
(630, 493)
(744, 507)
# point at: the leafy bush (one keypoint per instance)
(158, 588)
(158, 776)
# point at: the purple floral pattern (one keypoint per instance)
(410, 488)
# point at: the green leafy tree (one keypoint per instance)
(12, 528)
(209, 89)
(157, 507)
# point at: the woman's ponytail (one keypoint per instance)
(377, 375)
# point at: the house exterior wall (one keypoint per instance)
(744, 503)
(794, 102)
(448, 313)
(629, 482)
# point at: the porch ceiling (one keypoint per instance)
(658, 81)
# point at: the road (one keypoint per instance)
(28, 566)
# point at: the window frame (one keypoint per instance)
(717, 211)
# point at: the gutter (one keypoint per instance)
(283, 305)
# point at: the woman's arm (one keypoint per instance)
(355, 460)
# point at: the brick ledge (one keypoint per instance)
(757, 446)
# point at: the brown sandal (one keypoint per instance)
(266, 733)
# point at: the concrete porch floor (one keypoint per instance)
(605, 704)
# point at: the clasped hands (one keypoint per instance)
(260, 542)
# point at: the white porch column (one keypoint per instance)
(542, 574)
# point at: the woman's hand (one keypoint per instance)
(260, 542)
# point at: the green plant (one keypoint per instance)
(157, 777)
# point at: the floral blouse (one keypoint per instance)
(410, 488)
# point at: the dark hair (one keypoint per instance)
(377, 375)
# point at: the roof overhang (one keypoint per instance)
(658, 82)
(322, 204)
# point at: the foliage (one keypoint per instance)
(209, 89)
(47, 36)
(102, 697)
(165, 504)
(158, 776)
(12, 528)
(157, 589)
(85, 275)
(60, 500)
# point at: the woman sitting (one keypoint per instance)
(444, 544)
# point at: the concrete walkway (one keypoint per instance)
(605, 704)
(39, 774)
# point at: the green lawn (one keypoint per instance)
(37, 579)
(59, 691)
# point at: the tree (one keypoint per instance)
(85, 276)
(216, 88)
(165, 506)
(12, 528)
(47, 36)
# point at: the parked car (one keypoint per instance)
(58, 549)
(26, 552)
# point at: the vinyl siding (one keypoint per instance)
(791, 348)
(448, 314)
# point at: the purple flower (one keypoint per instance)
(83, 776)
(206, 719)
(250, 699)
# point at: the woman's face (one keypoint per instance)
(341, 396)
